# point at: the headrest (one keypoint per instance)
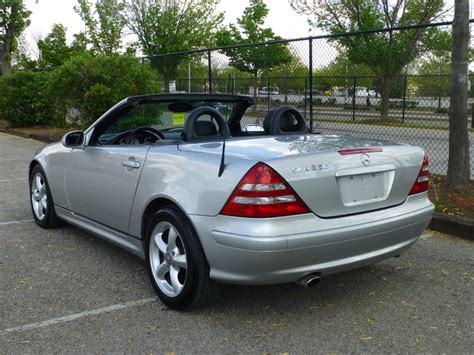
(205, 128)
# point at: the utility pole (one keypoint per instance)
(458, 163)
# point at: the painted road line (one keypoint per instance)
(16, 222)
(18, 179)
(73, 317)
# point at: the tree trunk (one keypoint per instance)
(386, 87)
(458, 163)
(166, 80)
(6, 51)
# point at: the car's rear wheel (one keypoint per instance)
(41, 201)
(176, 263)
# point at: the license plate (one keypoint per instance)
(364, 188)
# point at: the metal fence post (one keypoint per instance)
(354, 99)
(209, 69)
(268, 93)
(311, 85)
(404, 98)
(305, 98)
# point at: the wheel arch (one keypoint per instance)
(152, 207)
(33, 163)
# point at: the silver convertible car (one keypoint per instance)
(180, 181)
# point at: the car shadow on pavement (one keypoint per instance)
(356, 285)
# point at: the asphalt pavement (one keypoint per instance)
(65, 291)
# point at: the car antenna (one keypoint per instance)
(222, 165)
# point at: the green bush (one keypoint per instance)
(91, 85)
(27, 99)
(78, 92)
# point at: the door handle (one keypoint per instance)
(132, 164)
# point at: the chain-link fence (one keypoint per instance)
(336, 97)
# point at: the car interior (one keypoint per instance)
(194, 119)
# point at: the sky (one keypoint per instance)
(284, 21)
(282, 18)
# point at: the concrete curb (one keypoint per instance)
(39, 137)
(460, 227)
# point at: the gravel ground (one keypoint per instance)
(65, 291)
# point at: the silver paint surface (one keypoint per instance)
(93, 190)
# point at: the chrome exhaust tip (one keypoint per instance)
(308, 281)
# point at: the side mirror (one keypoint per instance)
(74, 139)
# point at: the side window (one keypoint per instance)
(134, 126)
(150, 121)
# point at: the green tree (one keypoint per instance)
(54, 50)
(434, 66)
(236, 81)
(79, 45)
(249, 29)
(104, 24)
(341, 72)
(386, 53)
(433, 79)
(290, 75)
(90, 85)
(164, 26)
(191, 74)
(14, 18)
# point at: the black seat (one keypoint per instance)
(267, 120)
(196, 129)
(285, 120)
(205, 129)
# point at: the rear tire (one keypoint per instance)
(176, 263)
(41, 201)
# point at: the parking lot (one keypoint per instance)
(66, 291)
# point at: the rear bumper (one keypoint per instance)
(278, 250)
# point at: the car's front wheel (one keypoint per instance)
(176, 263)
(41, 201)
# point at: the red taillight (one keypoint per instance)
(263, 193)
(422, 180)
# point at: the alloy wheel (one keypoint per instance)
(168, 259)
(39, 196)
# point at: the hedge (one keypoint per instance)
(78, 92)
(26, 99)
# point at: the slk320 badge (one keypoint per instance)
(313, 167)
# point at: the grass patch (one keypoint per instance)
(386, 123)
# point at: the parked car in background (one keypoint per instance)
(269, 91)
(205, 201)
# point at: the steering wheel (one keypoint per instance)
(142, 135)
(190, 124)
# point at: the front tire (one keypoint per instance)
(41, 201)
(176, 263)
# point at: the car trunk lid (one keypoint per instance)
(333, 175)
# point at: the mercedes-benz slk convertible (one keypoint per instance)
(182, 182)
